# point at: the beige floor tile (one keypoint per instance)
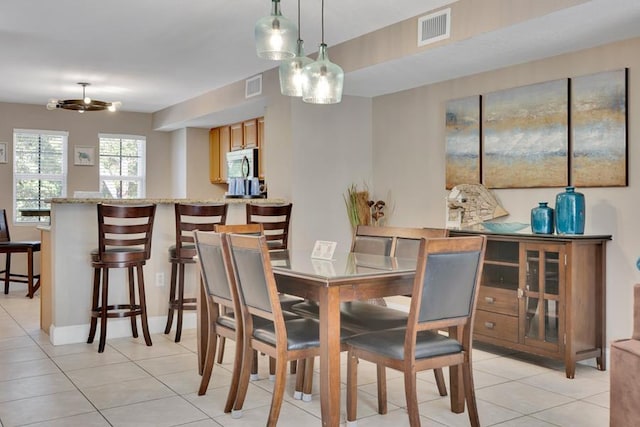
(88, 359)
(30, 368)
(290, 416)
(34, 386)
(521, 398)
(524, 422)
(395, 418)
(169, 411)
(601, 399)
(202, 423)
(508, 367)
(126, 393)
(13, 355)
(136, 349)
(42, 408)
(170, 364)
(213, 402)
(187, 382)
(67, 349)
(577, 388)
(489, 414)
(92, 419)
(577, 413)
(16, 342)
(108, 374)
(395, 391)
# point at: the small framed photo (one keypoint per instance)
(3, 152)
(323, 250)
(83, 156)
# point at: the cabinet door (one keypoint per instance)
(237, 142)
(542, 288)
(218, 148)
(261, 147)
(225, 147)
(250, 133)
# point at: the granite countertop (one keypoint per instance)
(80, 200)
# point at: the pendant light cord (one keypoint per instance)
(322, 21)
(298, 19)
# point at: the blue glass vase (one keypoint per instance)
(570, 212)
(542, 219)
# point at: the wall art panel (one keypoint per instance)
(463, 141)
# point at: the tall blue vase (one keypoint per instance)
(570, 212)
(542, 219)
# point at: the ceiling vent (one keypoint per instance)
(434, 27)
(253, 86)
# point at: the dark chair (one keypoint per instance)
(284, 340)
(9, 247)
(188, 217)
(275, 220)
(124, 241)
(444, 296)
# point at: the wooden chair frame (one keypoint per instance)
(9, 247)
(275, 220)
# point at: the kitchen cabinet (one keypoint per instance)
(250, 133)
(237, 137)
(544, 294)
(260, 143)
(219, 146)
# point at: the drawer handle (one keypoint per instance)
(489, 325)
(489, 300)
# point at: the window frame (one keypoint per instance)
(141, 178)
(63, 177)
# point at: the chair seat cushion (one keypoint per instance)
(229, 320)
(302, 333)
(119, 257)
(20, 246)
(189, 250)
(287, 301)
(390, 343)
(358, 315)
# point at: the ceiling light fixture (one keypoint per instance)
(84, 104)
(275, 35)
(291, 69)
(322, 80)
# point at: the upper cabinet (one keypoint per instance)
(237, 136)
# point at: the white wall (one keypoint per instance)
(408, 160)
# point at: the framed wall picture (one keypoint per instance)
(83, 156)
(599, 125)
(526, 136)
(3, 152)
(462, 138)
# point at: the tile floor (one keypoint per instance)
(134, 385)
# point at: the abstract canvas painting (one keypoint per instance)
(526, 136)
(599, 124)
(462, 132)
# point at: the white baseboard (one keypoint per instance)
(116, 328)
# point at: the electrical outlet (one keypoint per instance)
(159, 280)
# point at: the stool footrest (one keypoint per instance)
(131, 310)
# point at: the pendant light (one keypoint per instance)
(291, 69)
(275, 35)
(322, 80)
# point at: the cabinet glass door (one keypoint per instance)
(544, 268)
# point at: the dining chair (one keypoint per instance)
(188, 217)
(444, 295)
(275, 220)
(285, 340)
(8, 247)
(212, 250)
(124, 241)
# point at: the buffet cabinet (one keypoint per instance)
(544, 294)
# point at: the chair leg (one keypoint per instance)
(143, 306)
(278, 391)
(172, 297)
(254, 366)
(103, 310)
(209, 357)
(30, 284)
(293, 365)
(272, 368)
(470, 394)
(297, 394)
(442, 386)
(94, 305)
(132, 302)
(235, 374)
(381, 373)
(352, 387)
(180, 301)
(308, 379)
(7, 273)
(221, 350)
(245, 372)
(412, 398)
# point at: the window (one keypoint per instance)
(122, 166)
(39, 171)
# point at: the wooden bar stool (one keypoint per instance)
(124, 241)
(275, 221)
(8, 247)
(189, 217)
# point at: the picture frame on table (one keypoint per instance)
(3, 152)
(83, 156)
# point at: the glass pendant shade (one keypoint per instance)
(291, 72)
(322, 80)
(275, 35)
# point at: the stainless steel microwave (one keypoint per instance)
(242, 163)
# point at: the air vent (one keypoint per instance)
(253, 86)
(434, 27)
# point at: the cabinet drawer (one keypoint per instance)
(498, 300)
(496, 325)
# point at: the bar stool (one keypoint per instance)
(275, 221)
(8, 247)
(124, 241)
(188, 217)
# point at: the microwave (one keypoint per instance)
(242, 163)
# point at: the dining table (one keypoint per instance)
(348, 276)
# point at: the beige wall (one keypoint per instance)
(408, 160)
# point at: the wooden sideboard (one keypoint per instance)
(544, 294)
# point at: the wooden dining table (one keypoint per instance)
(346, 277)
